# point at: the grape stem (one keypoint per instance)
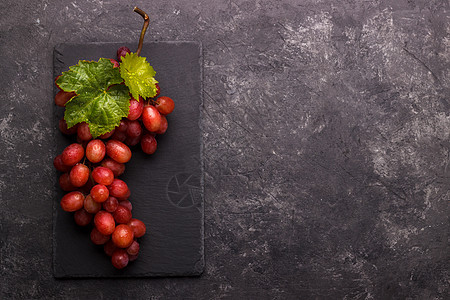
(144, 28)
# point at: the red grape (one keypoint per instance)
(134, 129)
(148, 144)
(119, 259)
(122, 215)
(132, 141)
(99, 238)
(133, 249)
(109, 247)
(127, 204)
(107, 135)
(99, 193)
(83, 132)
(118, 151)
(115, 63)
(122, 51)
(103, 175)
(158, 90)
(151, 118)
(65, 184)
(119, 136)
(62, 98)
(138, 227)
(124, 197)
(114, 166)
(82, 217)
(136, 108)
(163, 128)
(104, 221)
(59, 164)
(73, 201)
(111, 204)
(123, 236)
(165, 105)
(123, 126)
(118, 188)
(63, 127)
(79, 175)
(132, 257)
(72, 154)
(91, 206)
(95, 151)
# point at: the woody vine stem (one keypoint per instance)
(144, 28)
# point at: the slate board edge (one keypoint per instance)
(56, 65)
(199, 267)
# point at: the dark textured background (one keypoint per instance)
(326, 136)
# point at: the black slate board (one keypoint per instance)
(166, 187)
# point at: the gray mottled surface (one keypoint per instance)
(327, 147)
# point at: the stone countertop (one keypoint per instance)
(326, 146)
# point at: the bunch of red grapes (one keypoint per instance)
(91, 168)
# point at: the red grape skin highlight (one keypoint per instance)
(79, 175)
(118, 151)
(123, 236)
(95, 151)
(104, 221)
(151, 118)
(99, 193)
(72, 154)
(103, 175)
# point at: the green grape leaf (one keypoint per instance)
(138, 76)
(101, 100)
